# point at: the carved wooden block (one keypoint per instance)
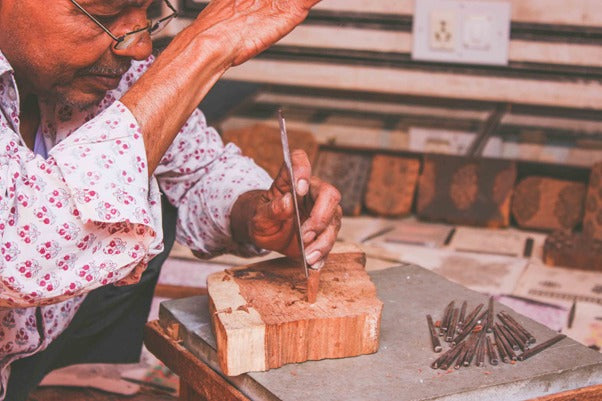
(464, 190)
(576, 250)
(548, 204)
(348, 172)
(262, 320)
(262, 143)
(391, 186)
(592, 221)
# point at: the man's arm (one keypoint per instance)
(225, 34)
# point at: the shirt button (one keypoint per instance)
(12, 94)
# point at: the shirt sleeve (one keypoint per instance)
(87, 216)
(203, 178)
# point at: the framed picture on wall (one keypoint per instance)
(191, 8)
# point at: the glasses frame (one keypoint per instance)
(118, 39)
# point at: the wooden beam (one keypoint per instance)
(199, 377)
(566, 12)
(350, 38)
(577, 94)
(178, 291)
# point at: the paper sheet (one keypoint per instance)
(559, 285)
(487, 240)
(489, 274)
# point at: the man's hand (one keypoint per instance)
(248, 27)
(267, 218)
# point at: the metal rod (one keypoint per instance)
(505, 343)
(530, 337)
(516, 343)
(490, 316)
(445, 319)
(452, 356)
(473, 350)
(444, 357)
(482, 350)
(500, 346)
(451, 330)
(491, 353)
(509, 339)
(537, 349)
(462, 355)
(471, 316)
(520, 335)
(571, 317)
(462, 316)
(434, 339)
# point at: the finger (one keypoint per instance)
(301, 171)
(274, 212)
(325, 207)
(317, 251)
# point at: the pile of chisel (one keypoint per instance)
(470, 337)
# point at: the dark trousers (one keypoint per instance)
(108, 327)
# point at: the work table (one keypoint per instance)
(400, 370)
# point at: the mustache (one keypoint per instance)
(112, 70)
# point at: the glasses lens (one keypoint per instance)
(158, 26)
(130, 39)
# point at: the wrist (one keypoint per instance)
(241, 215)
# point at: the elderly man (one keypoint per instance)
(92, 130)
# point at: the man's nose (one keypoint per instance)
(140, 48)
(139, 45)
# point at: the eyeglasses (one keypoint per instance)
(126, 40)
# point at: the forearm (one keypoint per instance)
(165, 96)
(226, 33)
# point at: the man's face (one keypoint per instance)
(60, 53)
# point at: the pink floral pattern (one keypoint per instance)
(80, 218)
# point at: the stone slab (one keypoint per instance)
(400, 370)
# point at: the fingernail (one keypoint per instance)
(302, 187)
(313, 257)
(308, 237)
(318, 266)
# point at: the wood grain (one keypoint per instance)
(391, 186)
(262, 320)
(592, 221)
(593, 393)
(348, 173)
(543, 203)
(573, 250)
(463, 190)
(261, 142)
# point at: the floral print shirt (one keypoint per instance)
(86, 215)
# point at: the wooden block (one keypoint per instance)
(592, 221)
(548, 204)
(463, 190)
(391, 186)
(348, 172)
(261, 319)
(576, 250)
(262, 143)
